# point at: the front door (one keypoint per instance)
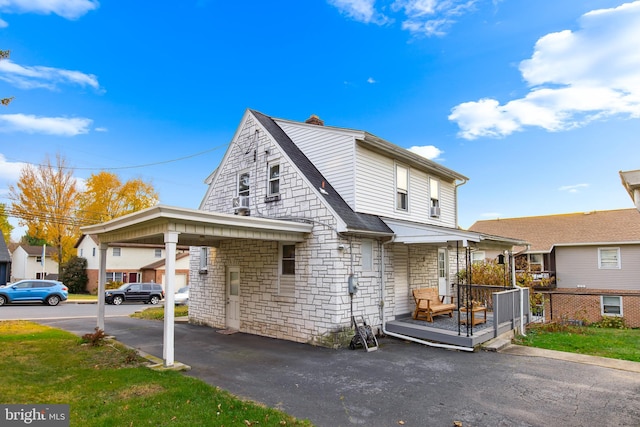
(233, 298)
(443, 272)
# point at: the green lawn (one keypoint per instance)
(605, 342)
(108, 385)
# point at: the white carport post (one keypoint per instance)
(102, 279)
(170, 243)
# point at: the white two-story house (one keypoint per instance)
(380, 221)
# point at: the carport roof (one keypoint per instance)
(195, 227)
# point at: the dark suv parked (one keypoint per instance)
(150, 293)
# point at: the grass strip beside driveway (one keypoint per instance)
(109, 385)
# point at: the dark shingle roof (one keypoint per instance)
(544, 232)
(355, 221)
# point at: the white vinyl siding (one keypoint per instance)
(332, 153)
(578, 266)
(376, 191)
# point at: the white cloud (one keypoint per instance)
(61, 126)
(429, 151)
(360, 10)
(573, 188)
(10, 171)
(101, 129)
(69, 9)
(575, 77)
(30, 77)
(419, 17)
(371, 80)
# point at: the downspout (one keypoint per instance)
(406, 337)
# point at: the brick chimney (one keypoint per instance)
(315, 120)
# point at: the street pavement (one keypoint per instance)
(401, 383)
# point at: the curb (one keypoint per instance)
(623, 365)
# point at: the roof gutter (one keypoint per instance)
(455, 195)
(406, 337)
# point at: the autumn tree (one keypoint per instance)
(4, 54)
(5, 227)
(107, 197)
(44, 199)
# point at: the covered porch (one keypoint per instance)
(172, 226)
(506, 308)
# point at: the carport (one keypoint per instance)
(174, 226)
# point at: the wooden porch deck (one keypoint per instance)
(445, 330)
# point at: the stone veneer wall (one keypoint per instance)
(321, 306)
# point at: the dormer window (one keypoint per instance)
(402, 188)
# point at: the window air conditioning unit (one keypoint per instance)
(435, 212)
(241, 204)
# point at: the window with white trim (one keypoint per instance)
(434, 194)
(611, 305)
(116, 251)
(477, 257)
(608, 258)
(402, 188)
(115, 276)
(367, 255)
(287, 271)
(243, 184)
(274, 179)
(158, 253)
(536, 262)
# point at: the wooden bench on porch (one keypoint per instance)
(429, 304)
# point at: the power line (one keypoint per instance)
(162, 162)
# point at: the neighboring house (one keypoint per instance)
(128, 262)
(5, 261)
(28, 263)
(593, 256)
(631, 182)
(155, 272)
(381, 221)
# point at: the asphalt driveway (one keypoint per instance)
(400, 384)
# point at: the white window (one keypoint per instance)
(274, 179)
(611, 305)
(609, 258)
(434, 194)
(287, 270)
(204, 258)
(116, 251)
(367, 255)
(115, 276)
(402, 188)
(158, 253)
(536, 262)
(243, 184)
(477, 257)
(81, 252)
(93, 252)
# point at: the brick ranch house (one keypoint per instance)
(594, 258)
(304, 226)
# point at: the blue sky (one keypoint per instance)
(538, 103)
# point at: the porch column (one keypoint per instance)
(170, 243)
(102, 279)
